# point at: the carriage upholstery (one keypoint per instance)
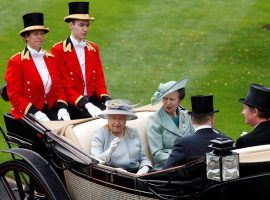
(254, 154)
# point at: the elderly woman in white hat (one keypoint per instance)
(169, 122)
(118, 144)
(32, 78)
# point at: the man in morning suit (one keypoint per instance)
(80, 65)
(196, 145)
(256, 111)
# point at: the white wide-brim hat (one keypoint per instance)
(118, 107)
(167, 88)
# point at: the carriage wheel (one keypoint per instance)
(26, 184)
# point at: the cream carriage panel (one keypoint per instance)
(254, 154)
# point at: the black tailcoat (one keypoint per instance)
(259, 136)
(192, 147)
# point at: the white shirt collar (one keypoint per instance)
(76, 43)
(35, 53)
(202, 127)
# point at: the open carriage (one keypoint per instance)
(53, 161)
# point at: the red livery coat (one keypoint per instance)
(71, 74)
(25, 87)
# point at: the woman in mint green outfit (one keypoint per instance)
(169, 122)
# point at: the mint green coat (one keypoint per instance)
(162, 132)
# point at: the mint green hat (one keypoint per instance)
(167, 88)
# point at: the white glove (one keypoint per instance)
(40, 116)
(113, 146)
(143, 170)
(63, 114)
(92, 109)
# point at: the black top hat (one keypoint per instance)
(258, 96)
(202, 105)
(33, 22)
(78, 10)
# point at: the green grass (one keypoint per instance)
(220, 45)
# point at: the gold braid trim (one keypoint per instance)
(90, 47)
(67, 46)
(48, 54)
(25, 55)
(27, 108)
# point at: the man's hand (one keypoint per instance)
(63, 114)
(92, 109)
(40, 116)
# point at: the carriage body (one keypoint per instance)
(64, 147)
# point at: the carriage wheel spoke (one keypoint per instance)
(7, 188)
(19, 184)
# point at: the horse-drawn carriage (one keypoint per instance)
(53, 161)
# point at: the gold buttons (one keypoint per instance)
(28, 82)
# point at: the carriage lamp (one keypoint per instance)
(222, 164)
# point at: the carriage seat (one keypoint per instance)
(84, 131)
(254, 154)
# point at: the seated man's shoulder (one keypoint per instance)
(186, 139)
(219, 132)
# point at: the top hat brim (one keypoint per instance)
(79, 17)
(34, 28)
(194, 113)
(177, 86)
(245, 101)
(130, 115)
